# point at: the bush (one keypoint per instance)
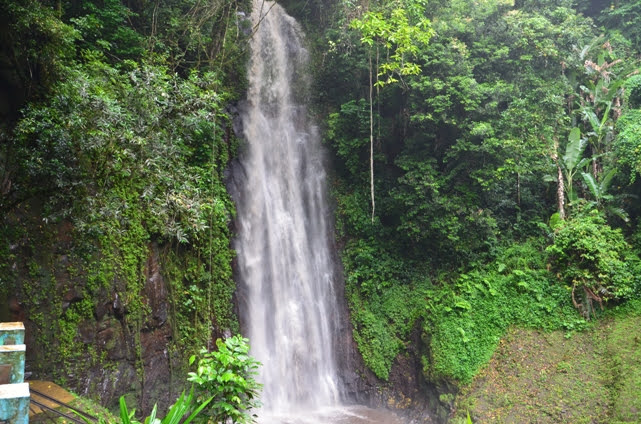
(594, 261)
(466, 319)
(227, 375)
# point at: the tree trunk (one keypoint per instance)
(518, 189)
(371, 137)
(560, 188)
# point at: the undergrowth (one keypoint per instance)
(464, 316)
(467, 320)
(384, 304)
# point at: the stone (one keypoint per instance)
(155, 290)
(112, 341)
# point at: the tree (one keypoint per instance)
(623, 17)
(599, 89)
(594, 261)
(600, 192)
(627, 145)
(572, 162)
(597, 76)
(400, 38)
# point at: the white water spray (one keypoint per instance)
(283, 242)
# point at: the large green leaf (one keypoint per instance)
(574, 149)
(606, 180)
(592, 184)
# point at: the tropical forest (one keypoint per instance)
(325, 211)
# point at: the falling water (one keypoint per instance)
(283, 248)
(283, 242)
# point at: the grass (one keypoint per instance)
(623, 349)
(592, 376)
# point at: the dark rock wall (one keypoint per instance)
(106, 354)
(406, 392)
(112, 355)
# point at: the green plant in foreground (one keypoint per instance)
(184, 404)
(227, 375)
(178, 410)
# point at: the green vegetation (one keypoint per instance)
(177, 413)
(549, 377)
(485, 170)
(384, 313)
(226, 377)
(622, 359)
(184, 405)
(504, 166)
(595, 261)
(115, 137)
(225, 384)
(467, 322)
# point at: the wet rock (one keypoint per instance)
(155, 290)
(157, 387)
(87, 332)
(72, 294)
(406, 392)
(117, 307)
(102, 309)
(111, 341)
(108, 384)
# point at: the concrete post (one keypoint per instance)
(12, 361)
(11, 333)
(14, 403)
(14, 392)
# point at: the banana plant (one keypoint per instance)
(602, 95)
(599, 78)
(573, 161)
(602, 198)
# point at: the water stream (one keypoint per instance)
(288, 307)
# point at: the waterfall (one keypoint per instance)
(283, 243)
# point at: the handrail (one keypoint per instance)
(55, 411)
(76, 410)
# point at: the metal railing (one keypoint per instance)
(78, 419)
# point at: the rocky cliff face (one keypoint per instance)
(81, 336)
(90, 340)
(406, 392)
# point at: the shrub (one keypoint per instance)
(227, 375)
(594, 261)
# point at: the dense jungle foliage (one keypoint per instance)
(499, 143)
(485, 163)
(114, 141)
